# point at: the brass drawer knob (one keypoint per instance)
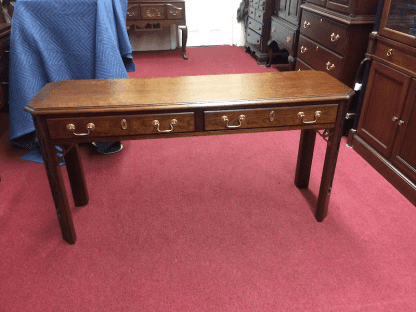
(303, 49)
(301, 116)
(71, 127)
(389, 52)
(334, 37)
(330, 66)
(156, 124)
(306, 24)
(241, 118)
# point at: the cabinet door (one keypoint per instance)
(293, 11)
(383, 102)
(404, 151)
(398, 21)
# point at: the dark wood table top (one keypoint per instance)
(77, 97)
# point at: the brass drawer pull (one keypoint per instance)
(301, 115)
(156, 124)
(389, 52)
(306, 24)
(273, 29)
(71, 127)
(124, 124)
(395, 118)
(288, 39)
(303, 49)
(330, 66)
(240, 119)
(400, 122)
(334, 37)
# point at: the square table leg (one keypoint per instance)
(76, 176)
(56, 182)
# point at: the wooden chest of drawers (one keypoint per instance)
(258, 29)
(333, 42)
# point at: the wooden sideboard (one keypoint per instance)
(386, 131)
(154, 16)
(168, 107)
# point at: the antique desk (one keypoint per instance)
(67, 113)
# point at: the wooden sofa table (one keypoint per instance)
(67, 113)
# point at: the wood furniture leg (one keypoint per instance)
(76, 176)
(330, 162)
(305, 155)
(184, 30)
(56, 182)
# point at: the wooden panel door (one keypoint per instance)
(404, 151)
(293, 11)
(384, 99)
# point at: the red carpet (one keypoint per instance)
(206, 224)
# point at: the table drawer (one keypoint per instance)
(319, 58)
(254, 25)
(121, 125)
(176, 11)
(324, 31)
(394, 55)
(153, 12)
(270, 117)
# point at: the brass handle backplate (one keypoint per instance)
(334, 37)
(301, 116)
(71, 127)
(303, 49)
(306, 24)
(330, 66)
(156, 124)
(241, 118)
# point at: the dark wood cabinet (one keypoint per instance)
(386, 132)
(285, 29)
(257, 29)
(4, 63)
(332, 40)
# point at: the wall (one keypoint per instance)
(213, 22)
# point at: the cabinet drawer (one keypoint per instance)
(176, 11)
(251, 12)
(270, 117)
(319, 58)
(393, 54)
(121, 125)
(283, 35)
(302, 66)
(259, 16)
(324, 31)
(252, 37)
(153, 12)
(254, 25)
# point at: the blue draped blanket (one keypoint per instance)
(55, 40)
